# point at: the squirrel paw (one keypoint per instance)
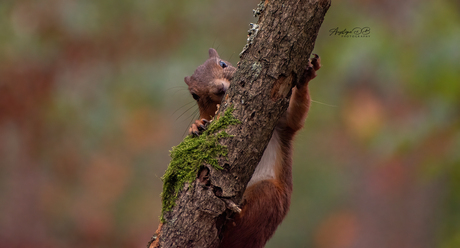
(198, 127)
(316, 62)
(309, 73)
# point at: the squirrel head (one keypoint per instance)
(209, 83)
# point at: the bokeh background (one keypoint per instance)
(92, 99)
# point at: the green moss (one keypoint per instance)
(188, 156)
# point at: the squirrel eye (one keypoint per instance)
(222, 64)
(195, 96)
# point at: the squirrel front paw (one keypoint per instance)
(198, 127)
(309, 73)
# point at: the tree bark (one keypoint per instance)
(277, 51)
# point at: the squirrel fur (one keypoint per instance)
(268, 194)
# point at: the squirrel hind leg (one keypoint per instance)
(265, 206)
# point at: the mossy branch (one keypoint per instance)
(277, 50)
(193, 152)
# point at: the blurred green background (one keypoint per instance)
(92, 99)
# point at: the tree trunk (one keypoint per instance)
(277, 51)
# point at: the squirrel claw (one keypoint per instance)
(316, 62)
(198, 127)
(310, 71)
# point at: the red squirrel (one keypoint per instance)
(268, 194)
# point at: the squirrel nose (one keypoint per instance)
(225, 86)
(221, 86)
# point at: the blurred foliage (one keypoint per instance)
(92, 99)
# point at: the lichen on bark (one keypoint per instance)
(193, 152)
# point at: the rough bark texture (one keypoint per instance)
(278, 49)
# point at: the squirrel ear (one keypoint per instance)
(213, 53)
(187, 80)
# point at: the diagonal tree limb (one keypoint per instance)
(277, 51)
